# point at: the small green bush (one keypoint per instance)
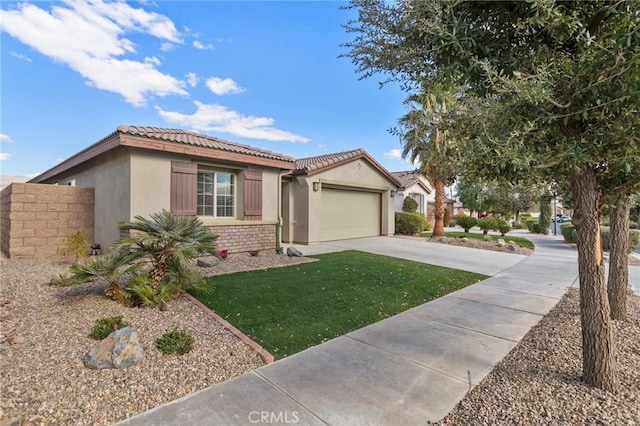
(427, 225)
(503, 226)
(633, 225)
(409, 205)
(105, 326)
(518, 225)
(568, 232)
(466, 222)
(487, 224)
(76, 246)
(409, 223)
(175, 342)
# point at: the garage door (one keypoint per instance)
(349, 214)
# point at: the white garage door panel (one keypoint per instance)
(349, 214)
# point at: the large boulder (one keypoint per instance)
(120, 349)
(293, 252)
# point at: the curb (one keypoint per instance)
(266, 356)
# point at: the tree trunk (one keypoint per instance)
(618, 266)
(598, 351)
(438, 210)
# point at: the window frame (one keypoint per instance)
(216, 185)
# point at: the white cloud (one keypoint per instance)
(192, 79)
(21, 56)
(89, 38)
(396, 154)
(198, 45)
(152, 60)
(224, 86)
(5, 138)
(167, 47)
(5, 156)
(218, 118)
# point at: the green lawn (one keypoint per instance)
(290, 309)
(520, 241)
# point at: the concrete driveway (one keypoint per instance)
(420, 250)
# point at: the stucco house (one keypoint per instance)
(239, 191)
(416, 186)
(338, 196)
(233, 188)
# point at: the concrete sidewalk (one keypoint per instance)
(408, 369)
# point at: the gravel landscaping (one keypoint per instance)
(538, 382)
(43, 379)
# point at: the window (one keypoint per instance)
(420, 199)
(215, 193)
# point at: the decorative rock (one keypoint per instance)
(445, 239)
(207, 262)
(511, 247)
(293, 252)
(121, 349)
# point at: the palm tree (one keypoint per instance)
(164, 240)
(109, 269)
(424, 139)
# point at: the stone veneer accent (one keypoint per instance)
(36, 219)
(242, 238)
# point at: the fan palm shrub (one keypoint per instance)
(166, 244)
(111, 270)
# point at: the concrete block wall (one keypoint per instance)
(36, 219)
(242, 238)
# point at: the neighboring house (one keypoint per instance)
(135, 171)
(338, 196)
(416, 186)
(242, 193)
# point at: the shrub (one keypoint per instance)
(518, 225)
(105, 326)
(606, 239)
(175, 342)
(568, 232)
(152, 263)
(466, 222)
(409, 223)
(487, 223)
(76, 246)
(428, 226)
(545, 216)
(503, 226)
(633, 225)
(409, 205)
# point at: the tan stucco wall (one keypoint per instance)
(358, 174)
(150, 182)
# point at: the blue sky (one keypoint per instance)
(266, 74)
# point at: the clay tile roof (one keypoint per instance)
(406, 178)
(196, 139)
(312, 164)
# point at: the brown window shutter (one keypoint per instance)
(183, 188)
(252, 195)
